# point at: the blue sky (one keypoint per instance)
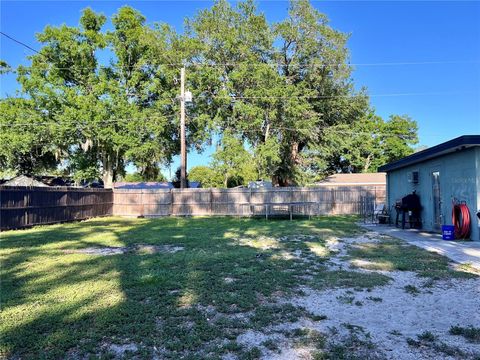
(441, 37)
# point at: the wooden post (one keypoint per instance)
(291, 201)
(250, 202)
(183, 145)
(171, 202)
(333, 201)
(211, 201)
(25, 204)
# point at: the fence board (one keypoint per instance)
(243, 202)
(23, 206)
(28, 206)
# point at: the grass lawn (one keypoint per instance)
(181, 287)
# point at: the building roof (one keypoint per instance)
(457, 144)
(355, 179)
(153, 185)
(23, 180)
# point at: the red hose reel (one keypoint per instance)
(461, 219)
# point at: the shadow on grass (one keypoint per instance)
(394, 254)
(57, 304)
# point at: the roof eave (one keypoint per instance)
(457, 144)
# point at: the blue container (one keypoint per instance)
(448, 232)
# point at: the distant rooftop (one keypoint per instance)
(355, 179)
(153, 185)
(23, 180)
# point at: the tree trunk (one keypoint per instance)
(368, 162)
(108, 171)
(289, 179)
(108, 178)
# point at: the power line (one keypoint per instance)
(325, 97)
(270, 64)
(169, 117)
(115, 120)
(209, 64)
(337, 96)
(343, 132)
(20, 42)
(327, 128)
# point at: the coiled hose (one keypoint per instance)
(461, 220)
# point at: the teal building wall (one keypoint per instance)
(459, 179)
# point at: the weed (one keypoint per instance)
(353, 328)
(411, 289)
(429, 340)
(348, 279)
(413, 342)
(375, 299)
(351, 348)
(270, 344)
(450, 350)
(309, 337)
(317, 317)
(345, 299)
(274, 314)
(427, 336)
(252, 354)
(470, 333)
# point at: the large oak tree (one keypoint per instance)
(97, 100)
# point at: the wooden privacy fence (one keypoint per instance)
(244, 202)
(27, 206)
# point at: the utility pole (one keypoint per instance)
(183, 145)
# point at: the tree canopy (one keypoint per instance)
(277, 98)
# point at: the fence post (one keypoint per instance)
(25, 203)
(211, 201)
(333, 201)
(250, 207)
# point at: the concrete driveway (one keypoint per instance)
(462, 252)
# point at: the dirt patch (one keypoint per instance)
(119, 351)
(400, 313)
(297, 238)
(261, 242)
(384, 322)
(136, 249)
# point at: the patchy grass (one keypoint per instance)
(355, 346)
(470, 333)
(58, 301)
(429, 341)
(275, 314)
(309, 337)
(346, 299)
(180, 287)
(392, 254)
(349, 279)
(271, 345)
